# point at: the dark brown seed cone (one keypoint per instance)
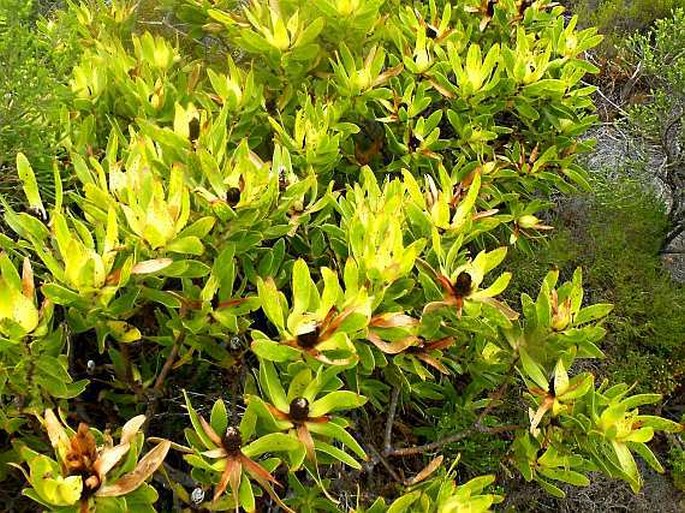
(299, 409)
(232, 440)
(310, 339)
(462, 285)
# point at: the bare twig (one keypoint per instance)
(419, 449)
(378, 457)
(169, 363)
(387, 445)
(156, 390)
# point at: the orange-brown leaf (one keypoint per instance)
(231, 476)
(391, 347)
(427, 471)
(145, 468)
(209, 431)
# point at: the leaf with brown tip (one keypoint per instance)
(427, 471)
(145, 468)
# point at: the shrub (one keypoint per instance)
(619, 19)
(615, 234)
(658, 124)
(321, 217)
(36, 56)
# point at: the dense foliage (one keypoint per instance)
(619, 19)
(659, 123)
(310, 201)
(36, 56)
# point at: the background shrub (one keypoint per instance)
(36, 56)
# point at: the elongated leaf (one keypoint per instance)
(145, 468)
(271, 384)
(270, 299)
(339, 400)
(533, 370)
(29, 183)
(273, 351)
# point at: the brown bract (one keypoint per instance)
(298, 415)
(308, 341)
(80, 455)
(229, 448)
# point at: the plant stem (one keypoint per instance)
(387, 445)
(419, 449)
(155, 394)
(169, 363)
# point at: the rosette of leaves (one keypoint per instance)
(556, 322)
(90, 472)
(461, 287)
(304, 412)
(78, 263)
(220, 456)
(318, 325)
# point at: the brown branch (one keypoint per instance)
(169, 363)
(419, 449)
(379, 457)
(155, 392)
(387, 445)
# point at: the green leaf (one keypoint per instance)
(639, 399)
(339, 400)
(660, 423)
(337, 432)
(566, 476)
(270, 299)
(337, 454)
(646, 454)
(123, 331)
(186, 269)
(274, 442)
(29, 183)
(219, 417)
(592, 313)
(268, 377)
(273, 351)
(402, 504)
(305, 295)
(533, 370)
(627, 464)
(197, 425)
(551, 489)
(190, 245)
(60, 295)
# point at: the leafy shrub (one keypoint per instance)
(619, 19)
(36, 56)
(658, 124)
(615, 234)
(321, 216)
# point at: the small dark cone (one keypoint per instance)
(232, 440)
(233, 196)
(491, 8)
(283, 182)
(310, 339)
(462, 285)
(193, 130)
(299, 409)
(414, 143)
